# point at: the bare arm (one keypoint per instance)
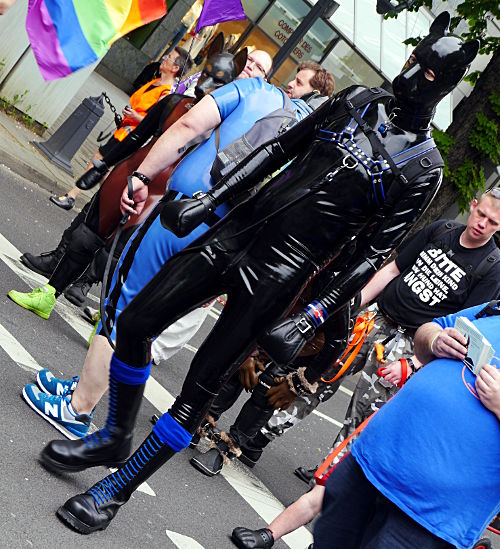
(202, 117)
(431, 342)
(379, 281)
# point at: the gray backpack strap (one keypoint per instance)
(486, 264)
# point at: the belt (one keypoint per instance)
(212, 217)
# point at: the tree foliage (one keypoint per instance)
(472, 141)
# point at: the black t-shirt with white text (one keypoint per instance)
(436, 279)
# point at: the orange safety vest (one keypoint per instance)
(141, 101)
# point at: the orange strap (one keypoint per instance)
(404, 371)
(362, 327)
(329, 460)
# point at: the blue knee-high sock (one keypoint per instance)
(122, 373)
(171, 433)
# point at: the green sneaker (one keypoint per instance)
(97, 316)
(41, 300)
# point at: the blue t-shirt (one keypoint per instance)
(434, 449)
(241, 103)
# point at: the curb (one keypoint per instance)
(27, 171)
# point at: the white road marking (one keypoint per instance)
(251, 489)
(12, 346)
(264, 503)
(183, 542)
(17, 352)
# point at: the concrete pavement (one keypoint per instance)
(19, 155)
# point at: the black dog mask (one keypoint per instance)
(449, 56)
(220, 68)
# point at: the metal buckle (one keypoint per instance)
(303, 326)
(350, 162)
(198, 194)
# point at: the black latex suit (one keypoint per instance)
(264, 251)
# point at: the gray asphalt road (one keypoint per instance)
(181, 501)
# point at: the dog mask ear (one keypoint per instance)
(216, 46)
(440, 24)
(470, 50)
(240, 60)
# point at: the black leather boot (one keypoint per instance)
(211, 462)
(110, 446)
(43, 264)
(93, 176)
(245, 538)
(46, 262)
(252, 449)
(97, 507)
(77, 292)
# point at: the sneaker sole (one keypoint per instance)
(28, 308)
(58, 426)
(202, 469)
(33, 268)
(75, 523)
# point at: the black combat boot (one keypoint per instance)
(97, 507)
(211, 462)
(46, 262)
(252, 449)
(110, 446)
(77, 292)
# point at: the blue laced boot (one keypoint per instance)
(111, 445)
(97, 507)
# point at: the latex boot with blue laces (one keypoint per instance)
(109, 446)
(96, 508)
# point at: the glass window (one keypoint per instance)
(343, 18)
(443, 117)
(315, 42)
(393, 50)
(417, 25)
(349, 68)
(367, 30)
(253, 8)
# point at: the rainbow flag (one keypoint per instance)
(67, 35)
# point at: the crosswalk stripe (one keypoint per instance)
(252, 491)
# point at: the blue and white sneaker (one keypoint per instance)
(52, 385)
(58, 411)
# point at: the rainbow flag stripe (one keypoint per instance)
(66, 35)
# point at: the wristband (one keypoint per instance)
(316, 312)
(144, 178)
(432, 342)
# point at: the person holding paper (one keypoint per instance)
(436, 481)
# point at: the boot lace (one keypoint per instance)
(109, 487)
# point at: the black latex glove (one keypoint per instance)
(182, 216)
(284, 341)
